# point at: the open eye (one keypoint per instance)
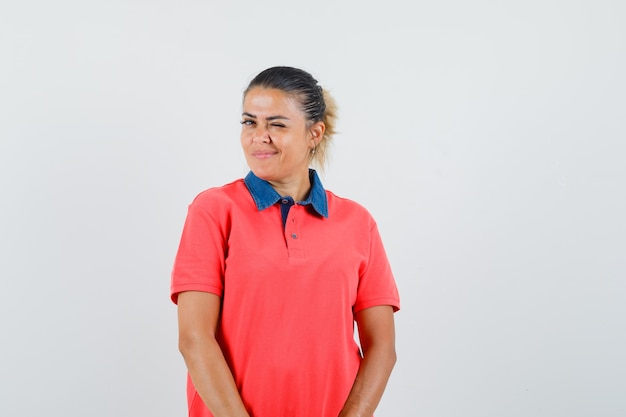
(247, 122)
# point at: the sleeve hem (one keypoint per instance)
(177, 289)
(393, 302)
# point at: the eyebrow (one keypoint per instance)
(270, 118)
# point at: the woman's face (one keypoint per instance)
(274, 136)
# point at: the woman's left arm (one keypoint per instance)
(377, 336)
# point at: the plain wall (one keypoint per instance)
(487, 139)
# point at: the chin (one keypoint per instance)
(264, 174)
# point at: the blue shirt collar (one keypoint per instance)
(265, 196)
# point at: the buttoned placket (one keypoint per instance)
(293, 232)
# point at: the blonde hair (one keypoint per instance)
(319, 158)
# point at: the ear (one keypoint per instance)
(317, 133)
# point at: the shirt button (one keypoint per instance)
(285, 201)
(293, 235)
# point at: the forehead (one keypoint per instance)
(270, 100)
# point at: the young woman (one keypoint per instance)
(273, 271)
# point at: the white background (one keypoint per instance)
(486, 137)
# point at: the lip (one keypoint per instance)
(263, 154)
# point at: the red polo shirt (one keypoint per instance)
(289, 294)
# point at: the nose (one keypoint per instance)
(261, 135)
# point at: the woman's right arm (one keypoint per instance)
(198, 314)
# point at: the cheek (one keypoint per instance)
(244, 138)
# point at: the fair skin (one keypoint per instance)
(277, 140)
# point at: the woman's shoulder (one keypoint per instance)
(219, 196)
(347, 206)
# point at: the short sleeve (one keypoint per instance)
(199, 262)
(377, 285)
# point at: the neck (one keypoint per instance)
(297, 189)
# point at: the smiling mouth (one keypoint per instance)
(263, 155)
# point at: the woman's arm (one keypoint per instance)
(377, 336)
(198, 313)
